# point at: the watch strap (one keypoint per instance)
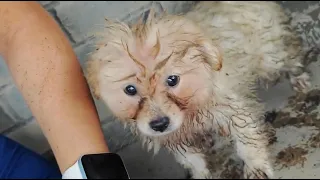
(76, 171)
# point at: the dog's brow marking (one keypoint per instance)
(126, 78)
(162, 63)
(156, 48)
(143, 68)
(184, 52)
(188, 71)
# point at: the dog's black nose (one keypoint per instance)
(160, 124)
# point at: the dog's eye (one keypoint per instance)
(130, 90)
(172, 80)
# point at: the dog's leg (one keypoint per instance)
(245, 122)
(193, 161)
(299, 78)
(296, 62)
(251, 144)
(293, 68)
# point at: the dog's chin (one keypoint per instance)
(145, 129)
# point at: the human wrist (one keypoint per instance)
(69, 160)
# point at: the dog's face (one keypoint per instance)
(154, 74)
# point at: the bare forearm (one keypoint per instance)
(47, 73)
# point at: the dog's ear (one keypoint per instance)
(91, 74)
(212, 54)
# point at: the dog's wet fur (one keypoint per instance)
(177, 78)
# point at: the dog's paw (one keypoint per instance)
(205, 174)
(264, 172)
(301, 83)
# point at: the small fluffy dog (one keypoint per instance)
(177, 79)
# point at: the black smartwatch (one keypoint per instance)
(97, 166)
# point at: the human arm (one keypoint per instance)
(48, 75)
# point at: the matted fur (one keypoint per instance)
(220, 50)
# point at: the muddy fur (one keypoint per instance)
(219, 52)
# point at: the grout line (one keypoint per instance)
(51, 5)
(53, 12)
(17, 126)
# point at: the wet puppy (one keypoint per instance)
(174, 79)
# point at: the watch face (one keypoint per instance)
(104, 166)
